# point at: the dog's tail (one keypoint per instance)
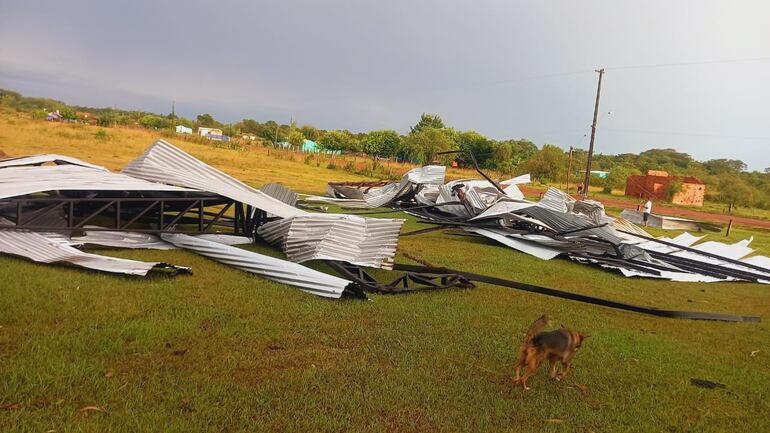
(536, 327)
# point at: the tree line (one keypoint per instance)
(727, 180)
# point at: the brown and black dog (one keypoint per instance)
(558, 345)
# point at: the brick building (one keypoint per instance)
(654, 184)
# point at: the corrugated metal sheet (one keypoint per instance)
(131, 240)
(49, 157)
(164, 163)
(532, 248)
(16, 181)
(427, 175)
(39, 248)
(361, 241)
(556, 200)
(280, 192)
(308, 280)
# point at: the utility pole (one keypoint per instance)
(173, 112)
(587, 180)
(569, 168)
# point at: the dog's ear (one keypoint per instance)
(562, 326)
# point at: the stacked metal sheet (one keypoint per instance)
(361, 241)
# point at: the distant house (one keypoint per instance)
(218, 137)
(312, 146)
(203, 132)
(248, 136)
(54, 116)
(181, 129)
(654, 185)
(597, 173)
(87, 117)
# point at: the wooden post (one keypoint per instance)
(729, 226)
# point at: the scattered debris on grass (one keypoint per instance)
(168, 199)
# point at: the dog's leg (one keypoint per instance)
(552, 370)
(567, 363)
(517, 369)
(533, 362)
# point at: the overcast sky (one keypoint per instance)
(508, 69)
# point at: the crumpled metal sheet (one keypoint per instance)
(556, 200)
(427, 175)
(361, 241)
(536, 249)
(164, 163)
(374, 197)
(308, 280)
(55, 249)
(48, 157)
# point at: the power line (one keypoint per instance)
(694, 134)
(702, 62)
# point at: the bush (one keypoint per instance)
(102, 135)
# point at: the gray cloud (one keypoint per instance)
(504, 68)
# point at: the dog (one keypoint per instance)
(535, 328)
(556, 346)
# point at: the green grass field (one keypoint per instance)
(226, 351)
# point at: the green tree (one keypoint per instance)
(207, 120)
(151, 121)
(337, 141)
(721, 166)
(68, 113)
(381, 144)
(425, 144)
(296, 139)
(310, 132)
(548, 164)
(732, 189)
(617, 177)
(481, 147)
(428, 121)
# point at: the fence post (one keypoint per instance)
(729, 226)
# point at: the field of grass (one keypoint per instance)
(226, 351)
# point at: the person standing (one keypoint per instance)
(647, 211)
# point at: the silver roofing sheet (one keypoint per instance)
(361, 241)
(16, 181)
(49, 157)
(540, 251)
(308, 280)
(429, 175)
(132, 240)
(136, 240)
(557, 200)
(165, 163)
(42, 249)
(280, 192)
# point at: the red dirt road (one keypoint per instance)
(672, 211)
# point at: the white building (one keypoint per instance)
(181, 129)
(203, 132)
